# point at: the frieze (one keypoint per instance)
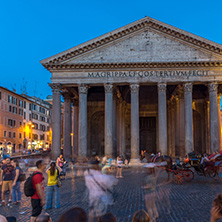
(147, 74)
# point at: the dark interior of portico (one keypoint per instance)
(148, 112)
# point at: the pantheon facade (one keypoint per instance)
(145, 86)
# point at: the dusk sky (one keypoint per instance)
(34, 30)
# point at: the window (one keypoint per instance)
(24, 134)
(30, 106)
(20, 112)
(20, 123)
(20, 135)
(10, 108)
(30, 116)
(24, 104)
(0, 95)
(9, 134)
(24, 115)
(9, 99)
(29, 135)
(13, 135)
(20, 103)
(11, 122)
(34, 107)
(4, 133)
(14, 109)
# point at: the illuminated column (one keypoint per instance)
(108, 119)
(56, 121)
(214, 121)
(134, 123)
(162, 118)
(188, 117)
(67, 150)
(83, 90)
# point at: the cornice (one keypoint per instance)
(133, 65)
(130, 29)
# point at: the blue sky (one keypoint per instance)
(33, 30)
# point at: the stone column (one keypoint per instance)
(188, 117)
(56, 121)
(162, 118)
(177, 126)
(67, 151)
(219, 119)
(207, 122)
(134, 123)
(114, 124)
(75, 127)
(123, 130)
(169, 132)
(181, 125)
(108, 119)
(214, 121)
(119, 130)
(172, 128)
(82, 141)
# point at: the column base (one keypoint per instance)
(135, 162)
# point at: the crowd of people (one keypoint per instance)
(99, 183)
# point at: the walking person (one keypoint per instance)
(6, 180)
(16, 193)
(38, 200)
(119, 167)
(52, 186)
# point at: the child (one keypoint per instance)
(119, 167)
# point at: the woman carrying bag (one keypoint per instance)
(52, 186)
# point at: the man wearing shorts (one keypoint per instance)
(38, 200)
(6, 180)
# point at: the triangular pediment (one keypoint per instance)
(144, 41)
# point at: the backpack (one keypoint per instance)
(22, 176)
(28, 186)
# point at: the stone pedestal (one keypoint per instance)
(214, 121)
(56, 121)
(83, 90)
(134, 123)
(108, 120)
(188, 118)
(67, 128)
(162, 118)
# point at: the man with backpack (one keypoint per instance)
(37, 199)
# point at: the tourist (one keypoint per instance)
(16, 193)
(119, 167)
(108, 217)
(100, 191)
(38, 200)
(60, 161)
(75, 214)
(44, 218)
(216, 211)
(52, 186)
(141, 216)
(2, 219)
(6, 180)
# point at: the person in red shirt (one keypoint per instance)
(37, 200)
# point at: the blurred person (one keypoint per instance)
(38, 200)
(44, 218)
(216, 211)
(100, 191)
(2, 219)
(119, 167)
(141, 216)
(16, 193)
(52, 186)
(75, 214)
(6, 180)
(108, 217)
(60, 161)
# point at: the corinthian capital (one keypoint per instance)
(56, 87)
(108, 88)
(161, 87)
(134, 88)
(83, 89)
(188, 87)
(212, 87)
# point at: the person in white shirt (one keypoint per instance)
(100, 191)
(119, 167)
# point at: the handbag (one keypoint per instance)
(22, 176)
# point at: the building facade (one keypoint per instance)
(25, 122)
(145, 86)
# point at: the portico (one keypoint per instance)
(146, 86)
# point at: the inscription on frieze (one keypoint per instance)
(148, 74)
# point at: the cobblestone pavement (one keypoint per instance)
(188, 202)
